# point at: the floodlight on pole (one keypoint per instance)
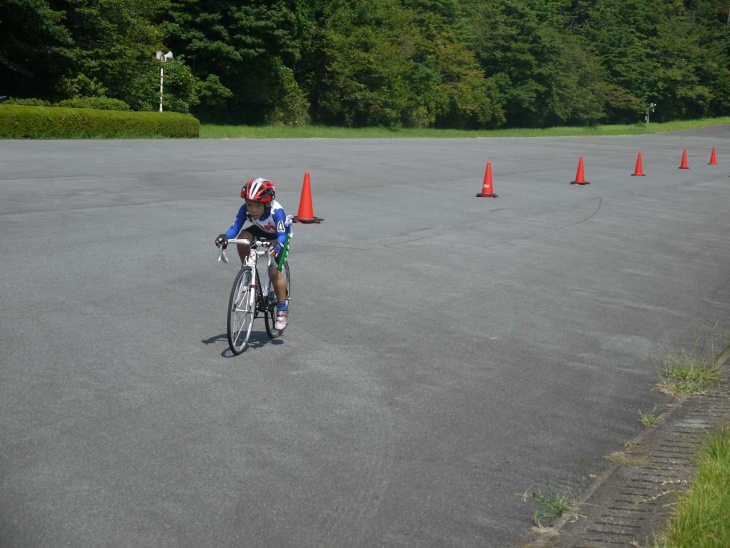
(650, 108)
(163, 58)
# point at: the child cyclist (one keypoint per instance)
(268, 220)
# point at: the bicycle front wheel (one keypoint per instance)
(270, 314)
(241, 311)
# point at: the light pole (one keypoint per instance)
(162, 58)
(651, 108)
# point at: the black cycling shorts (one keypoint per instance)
(258, 232)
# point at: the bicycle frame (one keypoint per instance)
(257, 248)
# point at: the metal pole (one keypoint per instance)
(162, 73)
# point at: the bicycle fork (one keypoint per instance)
(246, 293)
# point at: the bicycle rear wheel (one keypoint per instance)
(241, 311)
(270, 314)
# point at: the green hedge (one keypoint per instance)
(99, 103)
(27, 122)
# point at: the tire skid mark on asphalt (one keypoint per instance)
(421, 234)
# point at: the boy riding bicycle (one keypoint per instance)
(269, 221)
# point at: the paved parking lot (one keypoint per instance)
(446, 353)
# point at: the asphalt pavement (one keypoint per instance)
(446, 353)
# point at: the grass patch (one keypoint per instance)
(649, 420)
(702, 515)
(688, 379)
(691, 372)
(212, 131)
(551, 505)
(632, 454)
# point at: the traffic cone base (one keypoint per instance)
(487, 190)
(306, 214)
(579, 176)
(683, 164)
(639, 170)
(713, 158)
(298, 219)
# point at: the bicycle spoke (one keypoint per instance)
(241, 301)
(240, 314)
(243, 315)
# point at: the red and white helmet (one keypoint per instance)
(259, 190)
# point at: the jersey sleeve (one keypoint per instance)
(280, 219)
(238, 223)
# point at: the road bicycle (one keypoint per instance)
(252, 294)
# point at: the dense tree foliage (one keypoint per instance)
(242, 54)
(411, 63)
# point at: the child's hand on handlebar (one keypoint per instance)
(221, 240)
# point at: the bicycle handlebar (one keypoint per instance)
(255, 244)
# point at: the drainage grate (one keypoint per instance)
(629, 504)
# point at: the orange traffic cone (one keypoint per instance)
(638, 171)
(305, 214)
(713, 158)
(487, 191)
(579, 176)
(684, 165)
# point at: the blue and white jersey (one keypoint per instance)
(274, 221)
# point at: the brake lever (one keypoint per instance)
(222, 255)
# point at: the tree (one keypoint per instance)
(543, 73)
(623, 35)
(389, 64)
(699, 61)
(242, 54)
(33, 39)
(77, 48)
(577, 93)
(415, 63)
(114, 42)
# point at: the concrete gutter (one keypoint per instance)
(629, 504)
